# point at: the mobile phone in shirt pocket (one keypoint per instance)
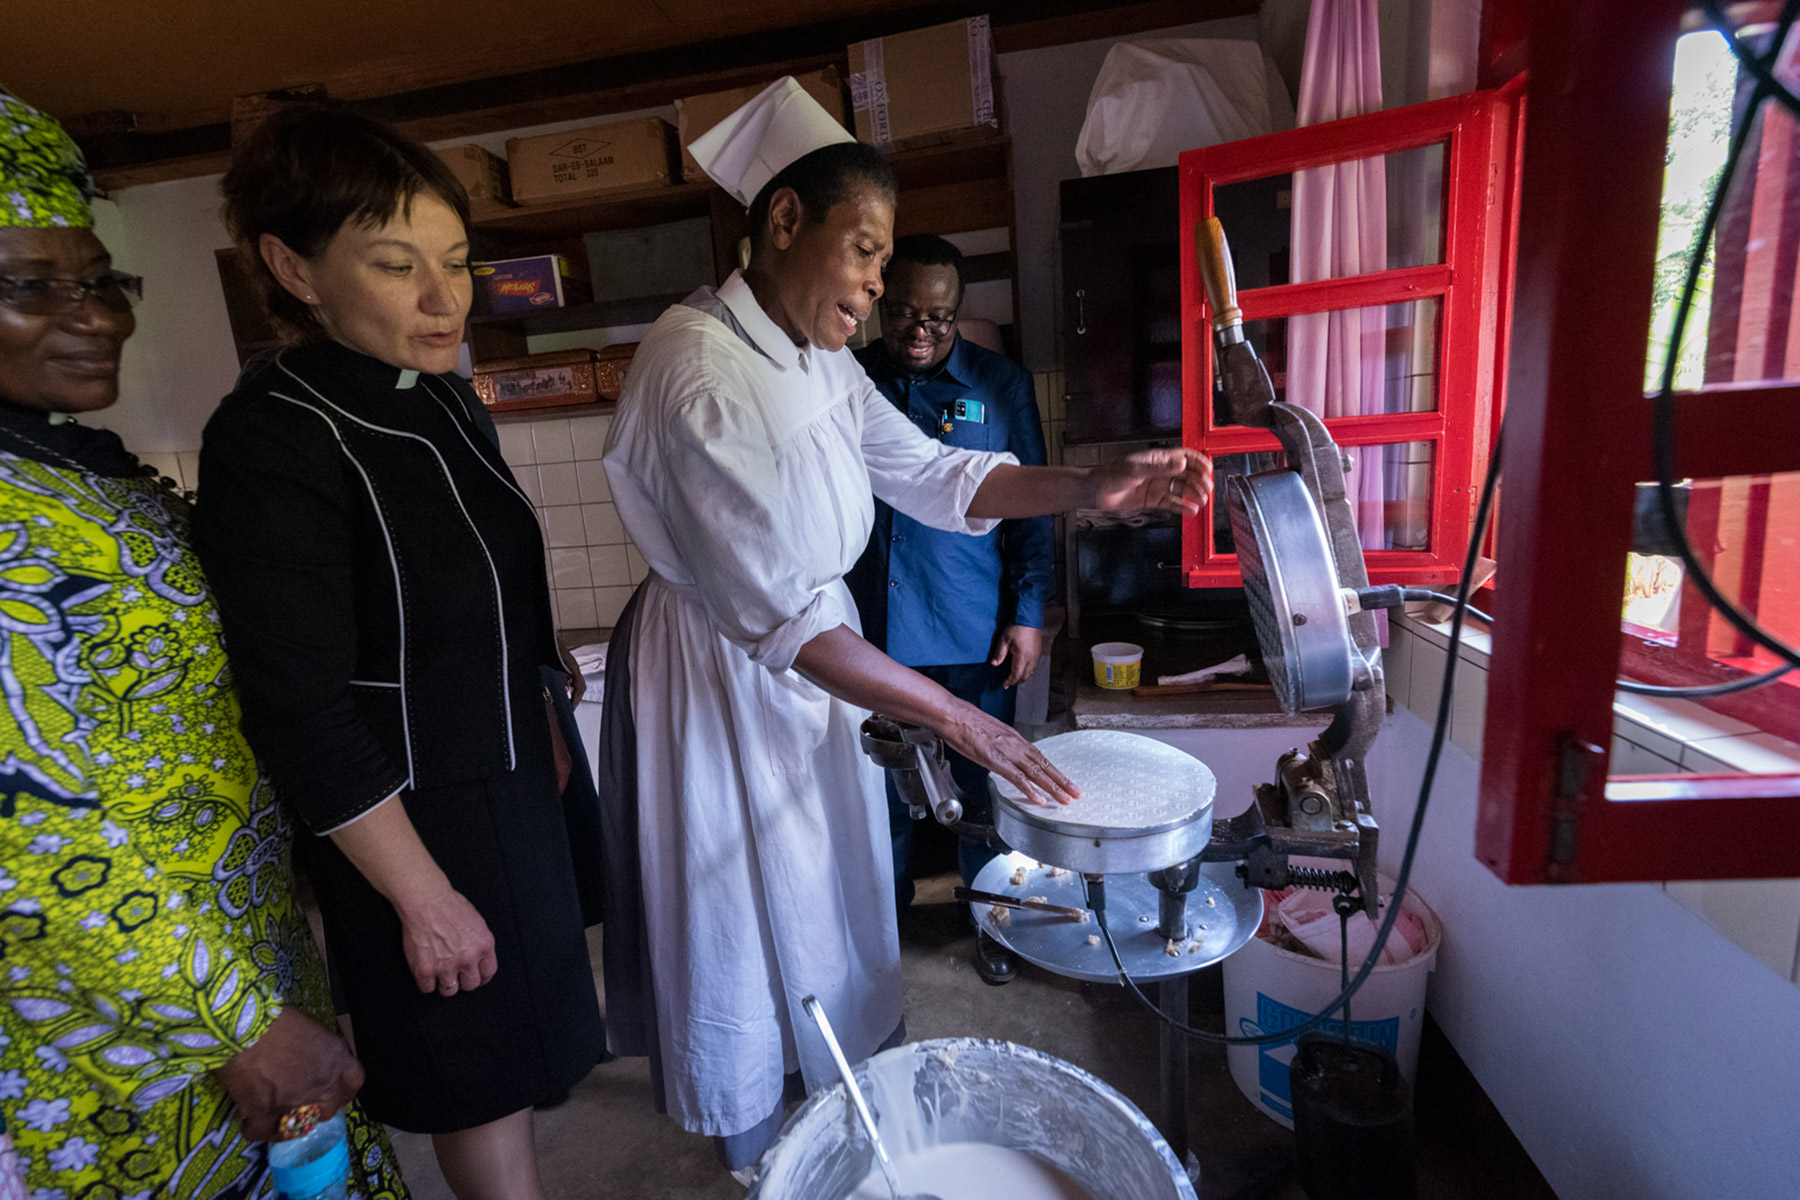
(969, 425)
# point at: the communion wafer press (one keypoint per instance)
(1179, 887)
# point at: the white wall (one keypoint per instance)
(181, 362)
(1636, 1052)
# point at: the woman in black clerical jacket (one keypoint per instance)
(381, 580)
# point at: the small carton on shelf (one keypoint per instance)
(525, 285)
(559, 379)
(619, 156)
(482, 174)
(921, 88)
(694, 115)
(671, 259)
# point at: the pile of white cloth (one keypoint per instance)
(1155, 98)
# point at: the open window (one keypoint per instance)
(1579, 442)
(1423, 321)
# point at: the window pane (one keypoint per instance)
(1391, 348)
(1400, 203)
(1392, 484)
(1390, 487)
(1744, 531)
(1744, 325)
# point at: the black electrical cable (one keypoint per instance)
(1702, 690)
(1663, 691)
(1663, 441)
(1439, 733)
(1757, 67)
(1431, 597)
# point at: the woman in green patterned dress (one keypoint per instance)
(162, 1005)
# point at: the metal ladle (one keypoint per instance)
(816, 1011)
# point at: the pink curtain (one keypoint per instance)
(1337, 362)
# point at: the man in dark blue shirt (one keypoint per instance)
(965, 611)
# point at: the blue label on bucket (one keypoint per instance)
(1272, 1059)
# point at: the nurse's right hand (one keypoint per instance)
(448, 946)
(997, 746)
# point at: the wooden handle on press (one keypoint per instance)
(1216, 273)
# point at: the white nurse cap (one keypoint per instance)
(757, 142)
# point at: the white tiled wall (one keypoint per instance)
(1650, 737)
(592, 564)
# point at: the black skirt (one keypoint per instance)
(437, 1064)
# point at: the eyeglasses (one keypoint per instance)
(903, 319)
(53, 297)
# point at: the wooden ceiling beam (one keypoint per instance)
(123, 157)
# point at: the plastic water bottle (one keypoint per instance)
(313, 1167)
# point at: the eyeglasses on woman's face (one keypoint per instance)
(41, 297)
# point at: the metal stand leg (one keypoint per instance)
(1172, 995)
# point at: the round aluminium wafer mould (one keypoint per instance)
(1144, 805)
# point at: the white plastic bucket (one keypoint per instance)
(1268, 989)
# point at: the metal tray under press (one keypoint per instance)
(1222, 915)
(1144, 805)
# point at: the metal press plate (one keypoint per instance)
(1291, 582)
(1130, 785)
(1223, 914)
(1143, 806)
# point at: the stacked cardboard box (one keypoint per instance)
(482, 174)
(924, 87)
(618, 156)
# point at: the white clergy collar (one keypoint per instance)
(736, 295)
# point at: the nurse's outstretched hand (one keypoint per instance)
(1173, 480)
(998, 747)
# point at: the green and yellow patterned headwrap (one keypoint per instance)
(43, 177)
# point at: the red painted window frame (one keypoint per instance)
(1578, 440)
(1476, 128)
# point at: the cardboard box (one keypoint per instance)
(482, 174)
(917, 88)
(694, 115)
(619, 156)
(671, 259)
(523, 285)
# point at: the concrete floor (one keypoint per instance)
(608, 1142)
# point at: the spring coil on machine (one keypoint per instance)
(1342, 882)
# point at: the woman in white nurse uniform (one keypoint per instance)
(748, 863)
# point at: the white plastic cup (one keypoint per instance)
(1118, 665)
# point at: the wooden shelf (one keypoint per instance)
(958, 187)
(637, 311)
(589, 214)
(950, 168)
